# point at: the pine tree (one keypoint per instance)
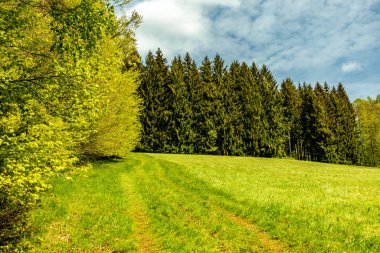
(273, 131)
(195, 100)
(232, 100)
(323, 134)
(156, 115)
(239, 111)
(181, 121)
(291, 103)
(308, 121)
(347, 138)
(207, 129)
(220, 116)
(147, 95)
(253, 110)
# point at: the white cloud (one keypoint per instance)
(290, 36)
(351, 66)
(176, 26)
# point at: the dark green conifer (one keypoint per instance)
(273, 128)
(207, 129)
(220, 115)
(155, 117)
(291, 103)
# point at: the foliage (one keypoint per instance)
(117, 128)
(49, 99)
(368, 121)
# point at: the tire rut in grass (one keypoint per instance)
(146, 240)
(185, 224)
(268, 244)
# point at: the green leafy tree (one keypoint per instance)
(49, 101)
(368, 122)
(117, 129)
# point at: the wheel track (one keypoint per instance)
(146, 240)
(269, 244)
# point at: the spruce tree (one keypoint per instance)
(291, 103)
(207, 129)
(347, 138)
(232, 100)
(323, 135)
(145, 91)
(195, 100)
(154, 90)
(308, 121)
(274, 134)
(218, 89)
(178, 104)
(256, 120)
(251, 110)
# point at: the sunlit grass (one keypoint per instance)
(88, 214)
(310, 206)
(191, 203)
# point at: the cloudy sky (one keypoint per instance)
(307, 40)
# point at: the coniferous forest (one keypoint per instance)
(241, 110)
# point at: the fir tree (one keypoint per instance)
(291, 103)
(273, 131)
(207, 129)
(347, 137)
(218, 90)
(232, 100)
(195, 100)
(154, 90)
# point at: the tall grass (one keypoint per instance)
(311, 207)
(191, 203)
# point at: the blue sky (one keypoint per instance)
(307, 40)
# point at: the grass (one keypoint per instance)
(191, 203)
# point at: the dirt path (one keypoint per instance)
(145, 239)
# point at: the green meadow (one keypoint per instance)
(195, 203)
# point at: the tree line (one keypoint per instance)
(240, 110)
(67, 94)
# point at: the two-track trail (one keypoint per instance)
(173, 211)
(197, 203)
(141, 231)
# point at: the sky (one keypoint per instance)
(307, 40)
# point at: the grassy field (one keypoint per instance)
(185, 203)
